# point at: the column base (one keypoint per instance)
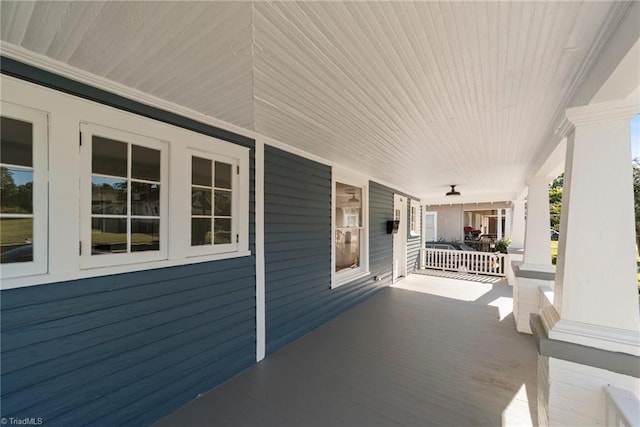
(597, 336)
(571, 394)
(527, 294)
(538, 268)
(572, 377)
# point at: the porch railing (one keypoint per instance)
(464, 261)
(622, 408)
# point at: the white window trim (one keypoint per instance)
(235, 211)
(87, 260)
(414, 219)
(65, 113)
(39, 119)
(435, 224)
(350, 178)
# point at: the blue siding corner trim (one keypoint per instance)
(126, 349)
(297, 201)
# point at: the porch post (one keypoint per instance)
(507, 222)
(517, 224)
(537, 240)
(499, 225)
(595, 302)
(516, 234)
(536, 270)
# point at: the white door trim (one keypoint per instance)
(400, 238)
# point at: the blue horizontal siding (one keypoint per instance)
(130, 348)
(68, 364)
(299, 297)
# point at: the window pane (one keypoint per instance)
(347, 249)
(145, 199)
(108, 196)
(223, 203)
(16, 240)
(16, 191)
(108, 235)
(201, 171)
(16, 142)
(223, 175)
(109, 157)
(145, 235)
(348, 205)
(200, 201)
(145, 163)
(200, 231)
(222, 230)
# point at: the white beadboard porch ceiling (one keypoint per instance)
(419, 95)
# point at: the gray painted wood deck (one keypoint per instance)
(428, 351)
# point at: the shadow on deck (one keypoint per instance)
(428, 351)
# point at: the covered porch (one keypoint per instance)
(337, 127)
(392, 360)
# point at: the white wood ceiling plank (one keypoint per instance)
(204, 45)
(102, 43)
(289, 48)
(418, 94)
(136, 71)
(468, 130)
(15, 17)
(437, 100)
(79, 18)
(145, 28)
(44, 23)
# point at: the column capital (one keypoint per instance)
(620, 109)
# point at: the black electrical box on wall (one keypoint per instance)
(392, 226)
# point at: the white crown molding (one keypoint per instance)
(603, 337)
(565, 128)
(622, 109)
(590, 335)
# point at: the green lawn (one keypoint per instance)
(16, 231)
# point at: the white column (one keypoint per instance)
(499, 225)
(537, 242)
(596, 296)
(535, 270)
(507, 222)
(518, 224)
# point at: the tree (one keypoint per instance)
(555, 201)
(636, 193)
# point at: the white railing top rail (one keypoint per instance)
(622, 407)
(464, 261)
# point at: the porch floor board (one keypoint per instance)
(428, 351)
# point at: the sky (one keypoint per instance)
(635, 136)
